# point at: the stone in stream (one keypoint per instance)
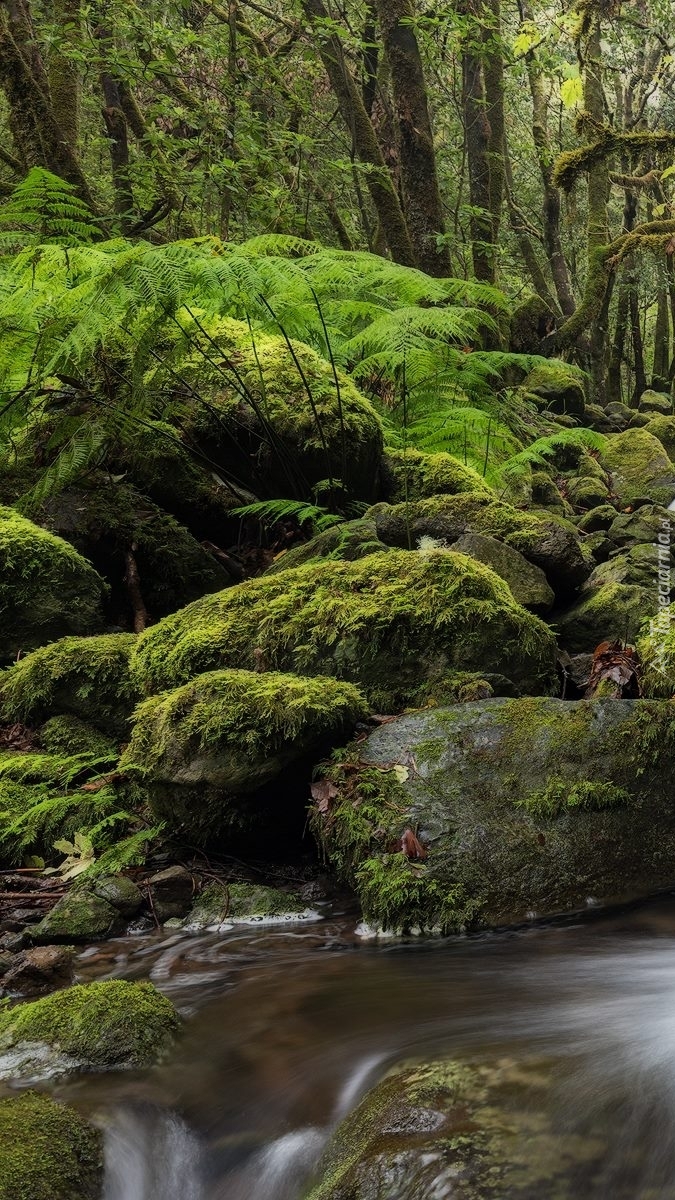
(49, 1152)
(463, 1131)
(494, 812)
(244, 904)
(39, 969)
(90, 1027)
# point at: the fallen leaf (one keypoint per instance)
(411, 846)
(323, 793)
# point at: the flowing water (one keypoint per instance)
(287, 1027)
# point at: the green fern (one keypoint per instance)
(269, 512)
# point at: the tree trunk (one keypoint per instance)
(419, 179)
(366, 147)
(661, 362)
(64, 75)
(477, 136)
(614, 391)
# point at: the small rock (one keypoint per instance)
(40, 969)
(78, 917)
(18, 917)
(172, 891)
(121, 892)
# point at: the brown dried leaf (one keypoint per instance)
(323, 793)
(411, 846)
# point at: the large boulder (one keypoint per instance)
(527, 582)
(93, 1027)
(639, 467)
(47, 589)
(228, 733)
(395, 624)
(550, 543)
(462, 1131)
(86, 677)
(656, 402)
(558, 387)
(49, 1152)
(494, 812)
(276, 416)
(663, 428)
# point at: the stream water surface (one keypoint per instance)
(287, 1027)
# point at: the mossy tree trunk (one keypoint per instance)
(366, 147)
(415, 139)
(64, 74)
(483, 118)
(661, 360)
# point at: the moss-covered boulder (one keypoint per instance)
(547, 541)
(557, 386)
(656, 402)
(95, 1027)
(645, 525)
(86, 677)
(106, 521)
(274, 415)
(395, 624)
(639, 467)
(490, 813)
(584, 493)
(663, 428)
(230, 732)
(598, 519)
(47, 589)
(49, 1152)
(412, 475)
(464, 1131)
(616, 600)
(531, 322)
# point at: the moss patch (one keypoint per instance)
(412, 475)
(48, 1151)
(640, 468)
(389, 623)
(47, 589)
(104, 1025)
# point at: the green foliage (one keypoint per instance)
(269, 512)
(416, 476)
(560, 795)
(105, 1025)
(43, 209)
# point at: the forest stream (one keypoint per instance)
(288, 1026)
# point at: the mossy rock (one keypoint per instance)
(80, 916)
(558, 387)
(345, 542)
(47, 589)
(527, 582)
(616, 599)
(547, 541)
(639, 467)
(412, 475)
(648, 524)
(656, 647)
(466, 1131)
(390, 623)
(663, 428)
(228, 733)
(67, 735)
(545, 494)
(523, 807)
(656, 402)
(106, 520)
(531, 322)
(597, 519)
(585, 493)
(87, 677)
(244, 904)
(49, 1152)
(265, 429)
(95, 1026)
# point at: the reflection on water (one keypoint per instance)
(288, 1028)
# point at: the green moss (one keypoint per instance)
(656, 647)
(412, 475)
(346, 542)
(663, 428)
(243, 718)
(561, 794)
(558, 386)
(386, 623)
(640, 467)
(85, 676)
(250, 901)
(68, 735)
(106, 1025)
(610, 611)
(49, 1152)
(46, 588)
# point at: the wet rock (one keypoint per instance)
(639, 467)
(39, 970)
(81, 916)
(49, 1152)
(245, 904)
(96, 1026)
(448, 1129)
(16, 918)
(172, 892)
(487, 813)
